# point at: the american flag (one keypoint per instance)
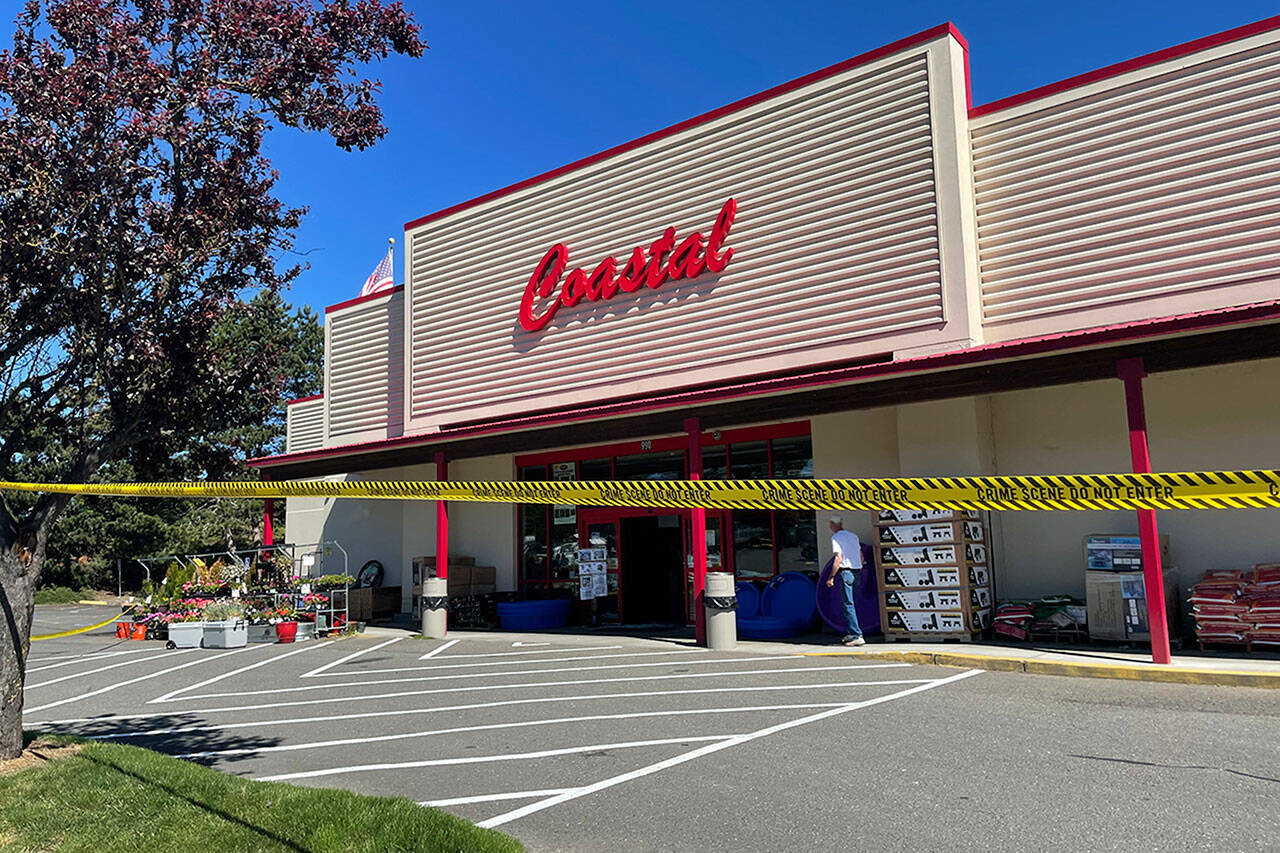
(381, 278)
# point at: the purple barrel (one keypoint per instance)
(866, 597)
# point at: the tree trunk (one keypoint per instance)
(17, 602)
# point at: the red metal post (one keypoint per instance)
(268, 533)
(1132, 371)
(699, 544)
(442, 521)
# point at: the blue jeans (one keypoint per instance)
(848, 579)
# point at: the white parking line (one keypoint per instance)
(67, 661)
(537, 652)
(437, 650)
(517, 672)
(169, 697)
(473, 706)
(476, 688)
(657, 767)
(440, 666)
(351, 656)
(76, 675)
(634, 715)
(493, 798)
(486, 759)
(120, 684)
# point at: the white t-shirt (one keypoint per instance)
(847, 544)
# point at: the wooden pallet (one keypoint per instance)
(921, 637)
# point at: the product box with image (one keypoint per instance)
(938, 555)
(933, 533)
(900, 516)
(915, 577)
(923, 599)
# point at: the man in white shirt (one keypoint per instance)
(847, 563)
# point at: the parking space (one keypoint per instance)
(496, 728)
(625, 743)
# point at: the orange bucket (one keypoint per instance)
(139, 631)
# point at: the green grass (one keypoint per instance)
(61, 595)
(113, 797)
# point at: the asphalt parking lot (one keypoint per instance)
(625, 743)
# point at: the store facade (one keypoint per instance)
(857, 273)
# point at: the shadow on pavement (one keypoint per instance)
(173, 734)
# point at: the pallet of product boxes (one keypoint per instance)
(1238, 606)
(471, 589)
(934, 574)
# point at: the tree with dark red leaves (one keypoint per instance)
(138, 217)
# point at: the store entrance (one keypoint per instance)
(651, 558)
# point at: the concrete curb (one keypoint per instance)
(1035, 666)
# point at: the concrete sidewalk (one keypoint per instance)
(1208, 668)
(1089, 663)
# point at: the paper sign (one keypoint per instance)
(599, 586)
(308, 560)
(586, 589)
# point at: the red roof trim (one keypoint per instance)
(1098, 336)
(359, 299)
(861, 59)
(1205, 43)
(304, 399)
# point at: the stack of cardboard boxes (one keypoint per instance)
(465, 582)
(934, 574)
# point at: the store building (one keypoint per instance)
(857, 273)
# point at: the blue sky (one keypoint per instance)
(511, 89)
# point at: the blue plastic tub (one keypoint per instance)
(748, 599)
(790, 596)
(768, 628)
(534, 615)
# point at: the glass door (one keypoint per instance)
(599, 534)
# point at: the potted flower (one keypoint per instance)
(285, 622)
(306, 624)
(224, 626)
(260, 628)
(186, 628)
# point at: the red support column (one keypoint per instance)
(699, 544)
(1132, 371)
(442, 522)
(268, 533)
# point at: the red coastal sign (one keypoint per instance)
(665, 261)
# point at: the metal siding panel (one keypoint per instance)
(365, 359)
(1134, 197)
(304, 426)
(836, 237)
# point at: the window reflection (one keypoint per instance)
(596, 469)
(797, 540)
(715, 465)
(749, 460)
(752, 543)
(793, 457)
(533, 549)
(664, 465)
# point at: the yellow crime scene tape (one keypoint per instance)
(75, 631)
(1199, 490)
